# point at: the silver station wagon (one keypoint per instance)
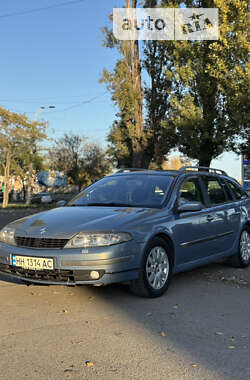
(137, 227)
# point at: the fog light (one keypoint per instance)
(94, 275)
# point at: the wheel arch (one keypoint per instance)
(169, 241)
(247, 224)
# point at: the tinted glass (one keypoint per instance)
(215, 190)
(238, 192)
(190, 191)
(125, 190)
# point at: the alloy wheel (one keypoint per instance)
(157, 268)
(245, 246)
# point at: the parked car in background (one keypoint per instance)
(136, 226)
(41, 198)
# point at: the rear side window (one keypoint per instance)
(239, 193)
(190, 191)
(215, 191)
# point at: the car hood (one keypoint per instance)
(67, 221)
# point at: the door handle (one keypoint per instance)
(210, 218)
(236, 213)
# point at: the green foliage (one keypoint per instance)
(18, 138)
(210, 84)
(197, 95)
(120, 148)
(82, 162)
(125, 86)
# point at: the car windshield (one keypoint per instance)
(125, 191)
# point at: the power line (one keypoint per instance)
(79, 104)
(74, 105)
(46, 99)
(33, 102)
(28, 11)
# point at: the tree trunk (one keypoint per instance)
(28, 192)
(134, 62)
(29, 187)
(6, 180)
(141, 159)
(205, 162)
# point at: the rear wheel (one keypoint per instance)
(242, 258)
(156, 271)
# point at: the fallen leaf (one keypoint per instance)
(89, 364)
(163, 333)
(194, 365)
(65, 311)
(76, 343)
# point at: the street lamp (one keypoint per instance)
(41, 109)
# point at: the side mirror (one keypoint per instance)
(190, 207)
(60, 203)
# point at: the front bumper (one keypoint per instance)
(117, 263)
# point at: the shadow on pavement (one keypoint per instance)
(200, 320)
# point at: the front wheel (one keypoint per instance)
(156, 270)
(242, 258)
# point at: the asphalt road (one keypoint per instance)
(200, 329)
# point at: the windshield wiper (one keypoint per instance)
(83, 205)
(110, 204)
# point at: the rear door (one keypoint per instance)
(224, 214)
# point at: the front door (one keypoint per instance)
(193, 231)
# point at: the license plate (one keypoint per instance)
(35, 263)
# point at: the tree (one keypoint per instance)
(120, 149)
(157, 94)
(125, 85)
(82, 162)
(209, 106)
(95, 164)
(13, 137)
(137, 138)
(35, 131)
(66, 156)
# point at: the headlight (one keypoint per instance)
(86, 240)
(7, 235)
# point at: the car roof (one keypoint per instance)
(147, 172)
(183, 170)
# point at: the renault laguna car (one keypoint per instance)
(135, 226)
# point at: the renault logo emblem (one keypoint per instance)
(43, 230)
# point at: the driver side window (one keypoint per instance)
(190, 191)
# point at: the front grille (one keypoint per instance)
(43, 243)
(66, 277)
(56, 275)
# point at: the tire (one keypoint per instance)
(242, 258)
(156, 270)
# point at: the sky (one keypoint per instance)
(55, 57)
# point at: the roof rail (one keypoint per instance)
(127, 170)
(205, 168)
